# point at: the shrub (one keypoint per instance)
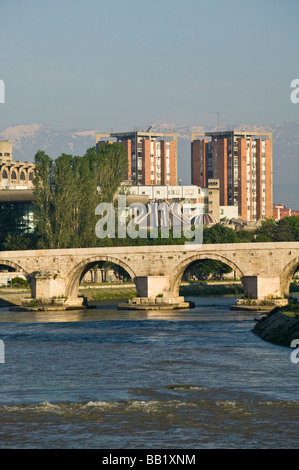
(19, 282)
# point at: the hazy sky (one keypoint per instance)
(118, 64)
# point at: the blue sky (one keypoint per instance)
(119, 64)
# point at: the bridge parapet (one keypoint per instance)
(265, 269)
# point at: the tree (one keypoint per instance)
(266, 232)
(86, 199)
(110, 163)
(19, 241)
(65, 201)
(284, 230)
(219, 234)
(43, 200)
(67, 191)
(287, 229)
(202, 270)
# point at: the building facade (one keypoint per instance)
(194, 200)
(14, 174)
(21, 201)
(152, 156)
(280, 211)
(242, 162)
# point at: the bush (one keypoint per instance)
(19, 282)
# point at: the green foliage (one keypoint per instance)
(203, 270)
(65, 198)
(284, 230)
(245, 236)
(20, 241)
(109, 162)
(265, 233)
(66, 194)
(19, 282)
(219, 234)
(288, 229)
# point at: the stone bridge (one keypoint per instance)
(265, 269)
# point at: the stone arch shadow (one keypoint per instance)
(77, 272)
(176, 279)
(286, 276)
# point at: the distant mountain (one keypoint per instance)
(29, 138)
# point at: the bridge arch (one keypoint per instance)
(19, 269)
(287, 275)
(181, 268)
(78, 271)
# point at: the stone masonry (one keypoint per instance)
(265, 269)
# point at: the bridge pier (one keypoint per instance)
(153, 292)
(49, 289)
(262, 291)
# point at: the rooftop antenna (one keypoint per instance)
(218, 118)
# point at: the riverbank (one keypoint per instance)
(112, 292)
(197, 289)
(280, 326)
(192, 289)
(10, 297)
(187, 289)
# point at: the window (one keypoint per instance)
(4, 174)
(22, 176)
(13, 175)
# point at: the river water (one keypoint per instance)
(109, 379)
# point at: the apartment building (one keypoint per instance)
(152, 156)
(242, 162)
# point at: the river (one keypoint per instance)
(108, 379)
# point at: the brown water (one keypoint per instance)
(112, 379)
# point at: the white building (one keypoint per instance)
(228, 212)
(195, 199)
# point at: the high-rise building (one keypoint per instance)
(242, 162)
(152, 156)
